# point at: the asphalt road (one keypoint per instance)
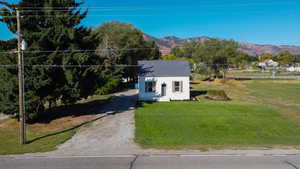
(152, 162)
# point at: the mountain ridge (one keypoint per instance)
(166, 43)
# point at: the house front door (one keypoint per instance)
(163, 90)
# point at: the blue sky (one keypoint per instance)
(255, 21)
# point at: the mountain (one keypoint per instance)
(253, 49)
(166, 43)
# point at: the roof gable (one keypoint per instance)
(164, 68)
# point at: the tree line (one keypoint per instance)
(214, 57)
(283, 58)
(57, 37)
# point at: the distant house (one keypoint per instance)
(268, 63)
(164, 80)
(295, 67)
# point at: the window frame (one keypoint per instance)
(150, 88)
(177, 88)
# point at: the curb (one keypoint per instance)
(149, 155)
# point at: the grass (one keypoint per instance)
(257, 73)
(46, 135)
(219, 95)
(285, 91)
(262, 114)
(282, 95)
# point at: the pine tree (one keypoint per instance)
(8, 76)
(53, 26)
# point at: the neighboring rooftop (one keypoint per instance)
(164, 68)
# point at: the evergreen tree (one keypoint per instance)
(8, 76)
(53, 26)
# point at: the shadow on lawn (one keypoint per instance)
(195, 93)
(140, 104)
(66, 130)
(194, 83)
(75, 110)
(112, 106)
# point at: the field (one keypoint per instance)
(58, 127)
(261, 114)
(257, 74)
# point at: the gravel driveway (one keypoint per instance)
(112, 134)
(3, 116)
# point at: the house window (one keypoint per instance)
(177, 86)
(150, 86)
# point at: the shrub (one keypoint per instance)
(218, 95)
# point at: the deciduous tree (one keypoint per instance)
(285, 57)
(122, 43)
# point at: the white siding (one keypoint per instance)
(293, 69)
(170, 95)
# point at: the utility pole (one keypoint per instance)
(22, 115)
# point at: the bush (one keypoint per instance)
(218, 95)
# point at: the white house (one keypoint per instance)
(294, 68)
(164, 80)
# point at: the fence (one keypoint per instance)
(282, 72)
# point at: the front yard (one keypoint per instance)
(262, 114)
(47, 134)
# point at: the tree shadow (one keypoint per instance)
(195, 93)
(240, 78)
(75, 110)
(141, 104)
(65, 130)
(194, 83)
(116, 104)
(113, 106)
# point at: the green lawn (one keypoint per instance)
(284, 91)
(262, 114)
(48, 134)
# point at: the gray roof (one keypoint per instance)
(164, 68)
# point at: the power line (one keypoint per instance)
(9, 66)
(65, 10)
(103, 9)
(80, 51)
(100, 65)
(61, 16)
(160, 7)
(82, 7)
(139, 15)
(50, 10)
(66, 66)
